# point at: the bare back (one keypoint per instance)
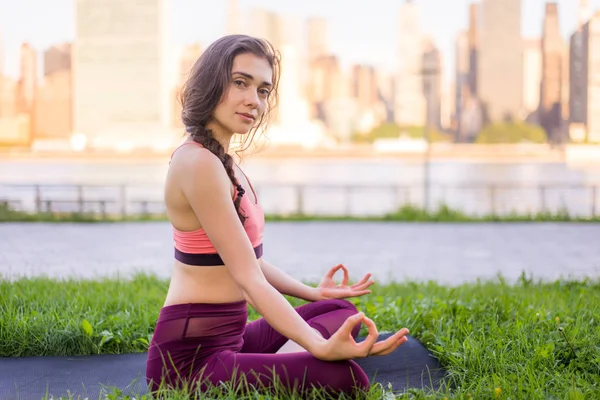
(191, 283)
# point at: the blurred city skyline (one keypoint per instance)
(194, 21)
(114, 83)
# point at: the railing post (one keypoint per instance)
(103, 209)
(492, 192)
(300, 199)
(594, 199)
(80, 198)
(348, 196)
(38, 199)
(543, 198)
(399, 201)
(123, 192)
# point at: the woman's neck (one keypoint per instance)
(221, 135)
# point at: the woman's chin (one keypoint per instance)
(243, 130)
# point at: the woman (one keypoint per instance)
(202, 336)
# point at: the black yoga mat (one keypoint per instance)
(32, 378)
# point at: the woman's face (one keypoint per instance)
(245, 100)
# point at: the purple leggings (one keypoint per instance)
(205, 344)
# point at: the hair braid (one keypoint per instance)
(204, 136)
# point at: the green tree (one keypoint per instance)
(511, 132)
(390, 130)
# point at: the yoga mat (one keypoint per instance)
(31, 378)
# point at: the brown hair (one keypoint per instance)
(209, 81)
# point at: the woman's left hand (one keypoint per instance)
(329, 289)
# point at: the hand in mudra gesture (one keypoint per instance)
(329, 289)
(342, 346)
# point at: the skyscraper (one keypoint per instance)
(123, 73)
(27, 80)
(473, 43)
(27, 90)
(317, 37)
(432, 84)
(532, 78)
(364, 85)
(462, 91)
(409, 104)
(8, 97)
(268, 25)
(317, 46)
(189, 54)
(552, 72)
(283, 32)
(57, 58)
(584, 97)
(500, 59)
(1, 57)
(54, 107)
(467, 105)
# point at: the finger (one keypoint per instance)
(384, 351)
(363, 280)
(357, 293)
(351, 322)
(390, 344)
(346, 278)
(371, 338)
(363, 286)
(344, 294)
(332, 271)
(379, 349)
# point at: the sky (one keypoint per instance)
(357, 34)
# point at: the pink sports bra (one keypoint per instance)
(195, 248)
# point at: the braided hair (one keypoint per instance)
(204, 136)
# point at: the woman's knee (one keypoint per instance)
(348, 378)
(332, 315)
(341, 304)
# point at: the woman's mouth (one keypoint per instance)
(246, 117)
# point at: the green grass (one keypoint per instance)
(406, 213)
(527, 340)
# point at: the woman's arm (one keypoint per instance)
(207, 187)
(286, 284)
(327, 289)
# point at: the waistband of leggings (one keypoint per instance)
(198, 310)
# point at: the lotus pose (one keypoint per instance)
(202, 336)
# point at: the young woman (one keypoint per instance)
(202, 336)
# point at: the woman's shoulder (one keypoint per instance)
(198, 170)
(192, 154)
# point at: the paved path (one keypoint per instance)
(447, 253)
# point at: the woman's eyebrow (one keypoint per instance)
(247, 75)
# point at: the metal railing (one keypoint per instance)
(317, 199)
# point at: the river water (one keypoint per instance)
(328, 186)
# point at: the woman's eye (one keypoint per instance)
(264, 92)
(239, 82)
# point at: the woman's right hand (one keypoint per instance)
(342, 346)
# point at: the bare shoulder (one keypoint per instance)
(191, 158)
(201, 177)
(191, 164)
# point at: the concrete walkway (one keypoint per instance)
(446, 253)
